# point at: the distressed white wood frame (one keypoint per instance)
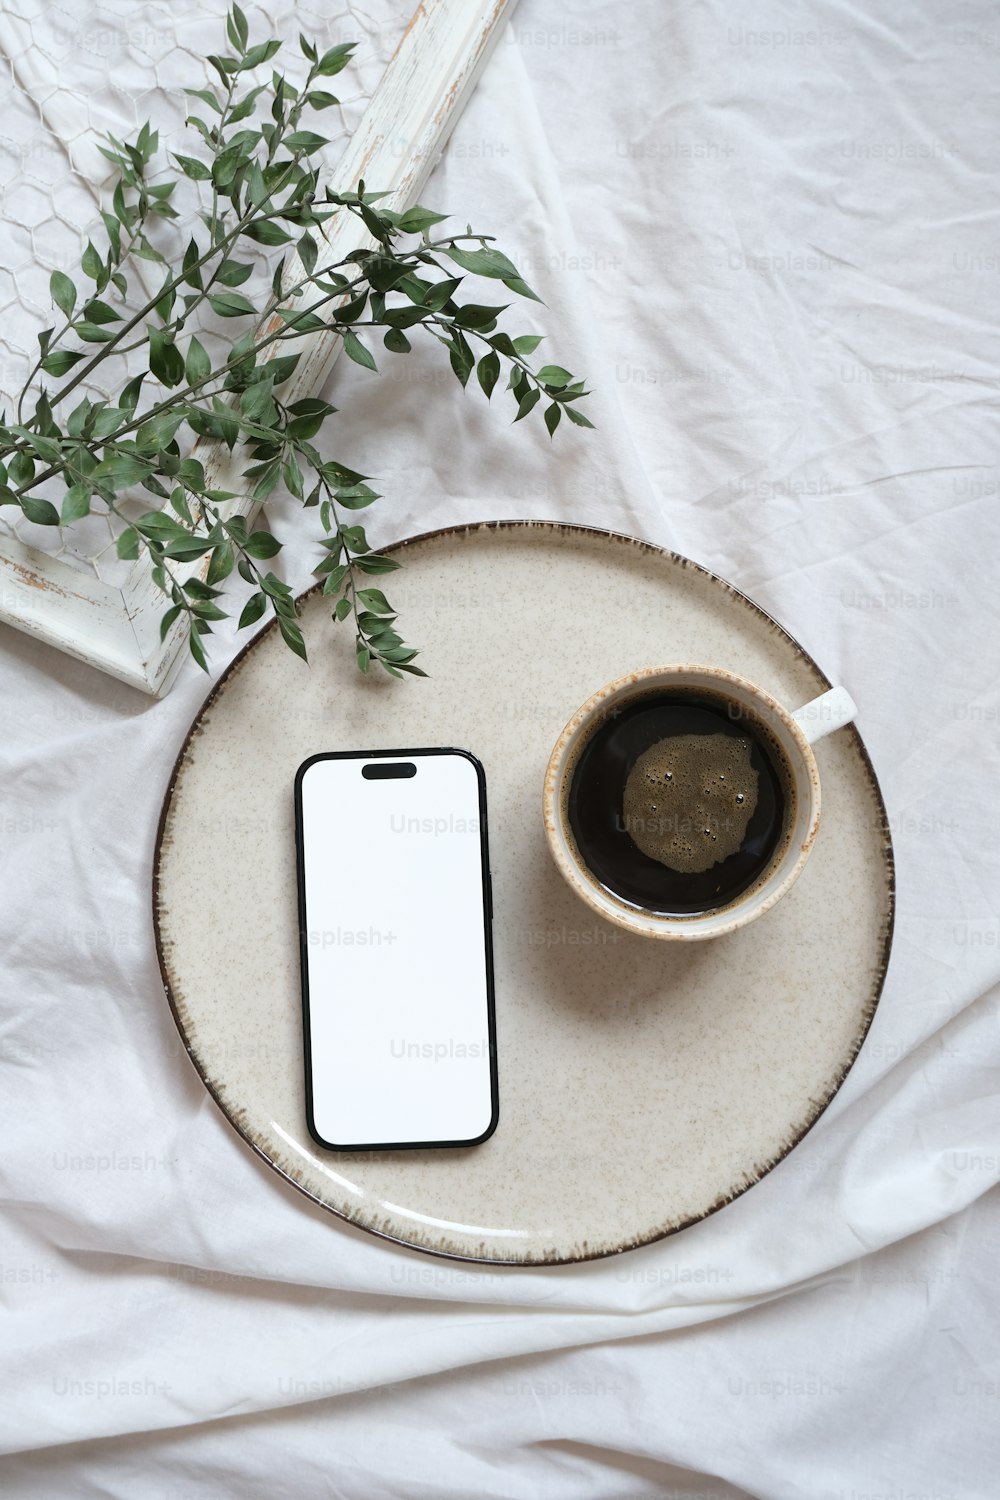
(404, 129)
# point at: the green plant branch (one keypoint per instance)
(103, 448)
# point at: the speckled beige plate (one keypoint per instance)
(642, 1085)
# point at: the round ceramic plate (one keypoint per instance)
(643, 1085)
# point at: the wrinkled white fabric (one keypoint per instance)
(769, 239)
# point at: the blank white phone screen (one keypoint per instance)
(395, 948)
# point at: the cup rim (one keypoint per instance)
(650, 924)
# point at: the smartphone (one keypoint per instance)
(395, 924)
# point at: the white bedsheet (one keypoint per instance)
(768, 236)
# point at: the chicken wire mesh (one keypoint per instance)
(72, 74)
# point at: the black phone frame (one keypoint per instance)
(365, 755)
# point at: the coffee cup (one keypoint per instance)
(682, 802)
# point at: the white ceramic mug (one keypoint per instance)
(792, 732)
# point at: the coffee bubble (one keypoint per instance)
(688, 800)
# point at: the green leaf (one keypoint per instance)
(363, 657)
(207, 97)
(283, 367)
(488, 372)
(222, 563)
(266, 478)
(99, 312)
(492, 263)
(191, 167)
(396, 341)
(355, 497)
(527, 403)
(168, 620)
(375, 600)
(61, 361)
(335, 59)
(351, 310)
(160, 526)
(266, 232)
(237, 29)
(262, 53)
(197, 365)
(377, 628)
(119, 472)
(195, 589)
(231, 305)
(206, 610)
(307, 250)
(355, 349)
(93, 333)
(440, 293)
(165, 359)
(114, 233)
(308, 415)
(45, 448)
(75, 504)
(527, 343)
(554, 376)
(256, 404)
(129, 397)
(234, 272)
(178, 500)
(354, 537)
(261, 544)
(42, 512)
(91, 263)
(22, 468)
(374, 563)
(342, 609)
(577, 417)
(472, 315)
(292, 475)
(159, 431)
(127, 545)
(165, 305)
(552, 415)
(227, 167)
(417, 219)
(292, 636)
(256, 187)
(197, 650)
(63, 292)
(188, 549)
(302, 322)
(192, 473)
(414, 287)
(521, 287)
(320, 99)
(462, 359)
(252, 610)
(305, 140)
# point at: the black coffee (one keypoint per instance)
(678, 802)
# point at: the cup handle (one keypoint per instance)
(826, 713)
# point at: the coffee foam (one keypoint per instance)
(689, 799)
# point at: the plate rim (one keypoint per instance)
(467, 528)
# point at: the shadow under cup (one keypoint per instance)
(609, 786)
